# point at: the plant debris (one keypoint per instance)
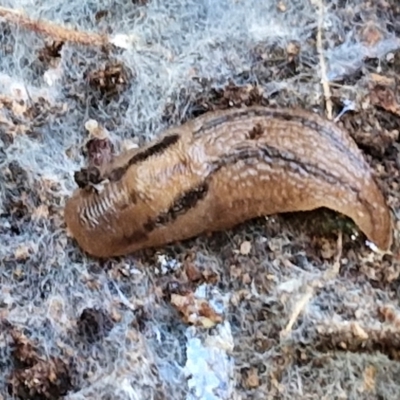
(292, 306)
(36, 376)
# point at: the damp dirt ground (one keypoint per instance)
(297, 305)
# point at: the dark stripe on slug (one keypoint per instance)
(157, 148)
(231, 117)
(181, 205)
(297, 165)
(286, 115)
(273, 156)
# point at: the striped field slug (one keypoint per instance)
(221, 169)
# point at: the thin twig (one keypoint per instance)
(330, 274)
(300, 306)
(324, 80)
(55, 31)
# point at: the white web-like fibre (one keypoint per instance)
(45, 280)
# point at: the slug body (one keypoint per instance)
(224, 168)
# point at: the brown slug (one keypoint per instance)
(221, 169)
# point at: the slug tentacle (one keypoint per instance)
(221, 169)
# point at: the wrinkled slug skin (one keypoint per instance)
(222, 169)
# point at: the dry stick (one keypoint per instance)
(331, 273)
(324, 80)
(300, 306)
(50, 29)
(353, 335)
